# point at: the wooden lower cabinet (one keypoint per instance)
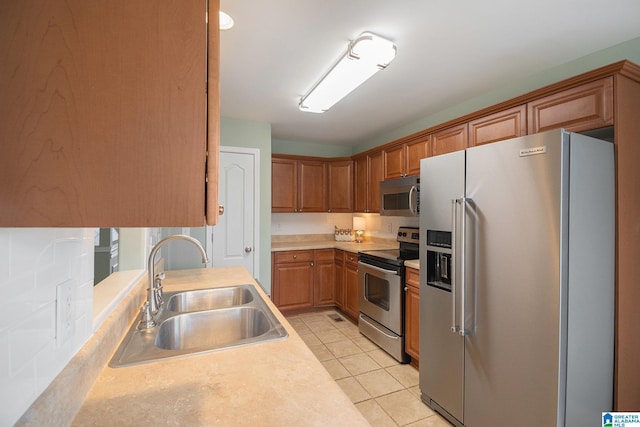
(351, 304)
(316, 278)
(293, 278)
(339, 278)
(412, 314)
(324, 292)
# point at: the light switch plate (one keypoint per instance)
(64, 313)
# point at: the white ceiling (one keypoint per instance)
(447, 51)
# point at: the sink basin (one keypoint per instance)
(201, 321)
(212, 329)
(209, 299)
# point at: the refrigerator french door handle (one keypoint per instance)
(454, 220)
(463, 279)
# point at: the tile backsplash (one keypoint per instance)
(37, 265)
(378, 226)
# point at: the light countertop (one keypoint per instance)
(413, 263)
(267, 384)
(329, 244)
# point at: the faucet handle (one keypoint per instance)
(147, 321)
(160, 276)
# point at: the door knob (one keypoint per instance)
(248, 249)
(220, 209)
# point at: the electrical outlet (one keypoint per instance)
(64, 313)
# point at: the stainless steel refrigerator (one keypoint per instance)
(517, 282)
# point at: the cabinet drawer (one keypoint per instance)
(412, 277)
(351, 258)
(293, 256)
(581, 108)
(325, 254)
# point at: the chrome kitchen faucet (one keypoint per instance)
(154, 291)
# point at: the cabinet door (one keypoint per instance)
(416, 151)
(284, 185)
(361, 184)
(324, 280)
(312, 186)
(585, 107)
(340, 186)
(448, 140)
(412, 313)
(394, 162)
(339, 279)
(293, 285)
(375, 176)
(104, 113)
(351, 306)
(506, 124)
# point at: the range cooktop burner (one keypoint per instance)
(409, 249)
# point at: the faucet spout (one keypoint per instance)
(154, 291)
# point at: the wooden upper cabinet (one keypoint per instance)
(404, 160)
(376, 168)
(586, 107)
(449, 140)
(394, 162)
(502, 125)
(104, 113)
(415, 151)
(361, 184)
(284, 185)
(311, 187)
(368, 174)
(340, 186)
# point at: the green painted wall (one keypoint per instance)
(627, 50)
(281, 146)
(243, 133)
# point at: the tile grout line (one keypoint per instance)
(314, 326)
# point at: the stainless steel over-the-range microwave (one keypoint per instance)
(400, 197)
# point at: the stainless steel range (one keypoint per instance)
(381, 293)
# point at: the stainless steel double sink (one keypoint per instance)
(200, 321)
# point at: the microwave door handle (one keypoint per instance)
(412, 208)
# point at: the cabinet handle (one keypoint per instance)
(295, 257)
(311, 264)
(406, 289)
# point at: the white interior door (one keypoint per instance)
(235, 239)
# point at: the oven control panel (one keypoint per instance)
(409, 235)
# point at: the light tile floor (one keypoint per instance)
(385, 391)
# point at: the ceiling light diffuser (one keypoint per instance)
(226, 21)
(364, 57)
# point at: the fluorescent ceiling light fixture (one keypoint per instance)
(364, 57)
(226, 22)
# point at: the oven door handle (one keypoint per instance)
(382, 270)
(377, 329)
